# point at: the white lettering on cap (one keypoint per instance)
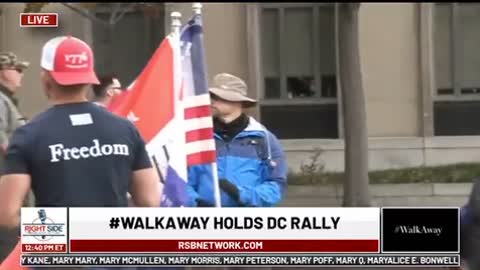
(58, 151)
(82, 119)
(76, 60)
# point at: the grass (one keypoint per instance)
(314, 174)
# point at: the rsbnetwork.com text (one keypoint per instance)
(219, 245)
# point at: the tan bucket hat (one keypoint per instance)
(231, 88)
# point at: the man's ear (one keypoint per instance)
(110, 92)
(44, 76)
(47, 82)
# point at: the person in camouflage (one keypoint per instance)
(11, 73)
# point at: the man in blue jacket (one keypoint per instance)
(252, 169)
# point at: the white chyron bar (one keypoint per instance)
(241, 260)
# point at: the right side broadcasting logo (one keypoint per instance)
(43, 228)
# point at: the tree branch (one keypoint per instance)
(123, 12)
(114, 13)
(86, 14)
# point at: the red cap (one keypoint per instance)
(69, 60)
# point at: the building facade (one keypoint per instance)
(419, 65)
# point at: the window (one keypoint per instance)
(299, 70)
(126, 49)
(457, 68)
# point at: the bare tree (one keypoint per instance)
(356, 191)
(116, 13)
(118, 10)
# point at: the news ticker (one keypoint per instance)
(241, 260)
(240, 230)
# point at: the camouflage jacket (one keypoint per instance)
(10, 120)
(10, 117)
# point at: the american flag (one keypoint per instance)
(174, 144)
(200, 143)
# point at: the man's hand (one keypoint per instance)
(230, 189)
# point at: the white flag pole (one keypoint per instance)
(197, 10)
(176, 23)
(216, 185)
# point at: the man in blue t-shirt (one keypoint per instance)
(75, 154)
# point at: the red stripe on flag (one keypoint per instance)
(196, 112)
(107, 245)
(199, 134)
(201, 158)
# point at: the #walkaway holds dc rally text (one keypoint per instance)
(229, 223)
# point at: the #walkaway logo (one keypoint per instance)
(418, 230)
